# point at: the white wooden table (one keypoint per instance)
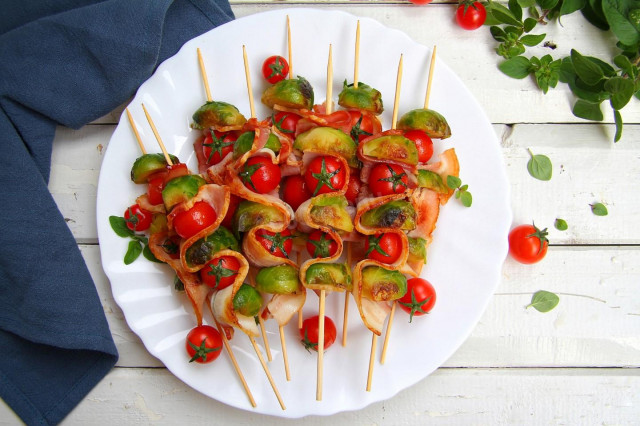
(578, 364)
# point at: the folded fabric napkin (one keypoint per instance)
(66, 62)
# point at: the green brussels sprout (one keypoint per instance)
(289, 93)
(181, 189)
(330, 141)
(432, 180)
(217, 114)
(418, 249)
(427, 120)
(333, 274)
(331, 211)
(381, 284)
(397, 214)
(245, 142)
(250, 214)
(247, 301)
(281, 279)
(364, 98)
(392, 147)
(206, 248)
(149, 164)
(158, 223)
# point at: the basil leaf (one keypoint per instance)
(518, 67)
(119, 226)
(133, 252)
(561, 224)
(532, 39)
(618, 119)
(587, 110)
(599, 209)
(586, 70)
(621, 90)
(539, 166)
(544, 301)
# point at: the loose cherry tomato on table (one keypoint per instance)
(423, 142)
(325, 174)
(137, 218)
(309, 333)
(419, 298)
(320, 244)
(363, 125)
(275, 68)
(353, 187)
(217, 145)
(387, 179)
(528, 244)
(190, 222)
(470, 14)
(220, 272)
(286, 122)
(154, 190)
(260, 175)
(420, 1)
(295, 191)
(203, 344)
(385, 248)
(277, 243)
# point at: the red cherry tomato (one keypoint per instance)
(385, 248)
(295, 191)
(528, 244)
(387, 179)
(363, 125)
(217, 145)
(470, 14)
(324, 174)
(260, 175)
(190, 222)
(320, 244)
(231, 210)
(275, 68)
(220, 272)
(286, 122)
(137, 219)
(154, 191)
(420, 1)
(309, 333)
(203, 344)
(277, 243)
(353, 187)
(419, 298)
(423, 142)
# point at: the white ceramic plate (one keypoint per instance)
(464, 260)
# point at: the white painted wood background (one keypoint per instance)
(578, 364)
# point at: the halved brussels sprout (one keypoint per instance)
(418, 249)
(429, 121)
(245, 141)
(149, 164)
(289, 93)
(332, 211)
(181, 189)
(392, 147)
(397, 214)
(250, 214)
(364, 98)
(206, 248)
(334, 274)
(328, 140)
(432, 180)
(381, 284)
(281, 279)
(158, 223)
(217, 114)
(247, 301)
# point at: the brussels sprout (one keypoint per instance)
(333, 274)
(281, 279)
(330, 141)
(381, 284)
(427, 120)
(217, 114)
(247, 301)
(250, 214)
(394, 147)
(206, 248)
(397, 214)
(149, 164)
(158, 223)
(364, 98)
(331, 211)
(181, 189)
(290, 93)
(431, 180)
(418, 249)
(245, 142)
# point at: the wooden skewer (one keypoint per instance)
(328, 102)
(285, 357)
(320, 345)
(357, 57)
(388, 333)
(345, 317)
(394, 120)
(267, 349)
(135, 132)
(289, 48)
(372, 356)
(247, 75)
(267, 372)
(157, 135)
(205, 79)
(431, 68)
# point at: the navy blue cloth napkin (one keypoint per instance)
(65, 62)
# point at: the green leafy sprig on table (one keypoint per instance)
(138, 244)
(592, 80)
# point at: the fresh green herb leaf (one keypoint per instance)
(517, 67)
(133, 252)
(561, 224)
(119, 226)
(570, 6)
(466, 198)
(585, 69)
(618, 119)
(615, 12)
(544, 301)
(621, 90)
(587, 110)
(453, 182)
(539, 166)
(461, 191)
(498, 14)
(516, 9)
(599, 209)
(529, 24)
(532, 39)
(146, 252)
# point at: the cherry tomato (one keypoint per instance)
(231, 210)
(260, 175)
(309, 333)
(275, 68)
(320, 244)
(528, 244)
(419, 298)
(277, 243)
(385, 248)
(387, 179)
(325, 174)
(470, 14)
(203, 344)
(154, 191)
(353, 187)
(217, 145)
(363, 125)
(190, 222)
(137, 218)
(420, 1)
(286, 122)
(295, 191)
(220, 272)
(423, 142)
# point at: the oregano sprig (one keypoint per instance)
(461, 191)
(138, 244)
